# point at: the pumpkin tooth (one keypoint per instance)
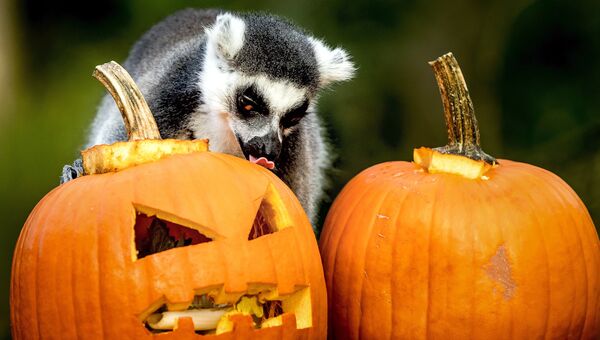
(225, 324)
(272, 322)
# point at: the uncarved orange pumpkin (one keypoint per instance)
(457, 245)
(85, 265)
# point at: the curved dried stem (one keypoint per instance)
(139, 121)
(463, 132)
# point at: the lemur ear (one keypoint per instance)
(334, 64)
(226, 36)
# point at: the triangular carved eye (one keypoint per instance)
(154, 235)
(261, 226)
(271, 217)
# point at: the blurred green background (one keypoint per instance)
(532, 68)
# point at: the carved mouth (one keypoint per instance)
(210, 312)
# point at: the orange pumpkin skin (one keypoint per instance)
(75, 274)
(409, 254)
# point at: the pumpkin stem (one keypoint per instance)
(463, 132)
(139, 121)
(145, 144)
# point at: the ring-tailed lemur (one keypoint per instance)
(247, 82)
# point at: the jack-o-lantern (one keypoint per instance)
(458, 246)
(188, 246)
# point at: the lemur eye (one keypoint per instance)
(249, 103)
(294, 116)
(246, 105)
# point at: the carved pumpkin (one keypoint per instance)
(188, 245)
(458, 246)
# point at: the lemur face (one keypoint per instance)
(260, 78)
(265, 112)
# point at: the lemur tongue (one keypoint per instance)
(262, 161)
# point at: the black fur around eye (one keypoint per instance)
(294, 116)
(250, 103)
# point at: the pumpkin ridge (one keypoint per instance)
(540, 233)
(571, 264)
(22, 289)
(432, 224)
(582, 254)
(350, 267)
(548, 275)
(50, 306)
(106, 239)
(481, 233)
(394, 257)
(361, 290)
(98, 281)
(375, 217)
(69, 286)
(394, 222)
(564, 203)
(593, 314)
(473, 274)
(407, 193)
(334, 265)
(17, 268)
(504, 195)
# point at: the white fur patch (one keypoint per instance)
(334, 65)
(215, 127)
(281, 95)
(226, 36)
(216, 84)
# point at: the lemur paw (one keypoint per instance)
(70, 172)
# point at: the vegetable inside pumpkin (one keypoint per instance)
(211, 318)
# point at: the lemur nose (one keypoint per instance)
(265, 146)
